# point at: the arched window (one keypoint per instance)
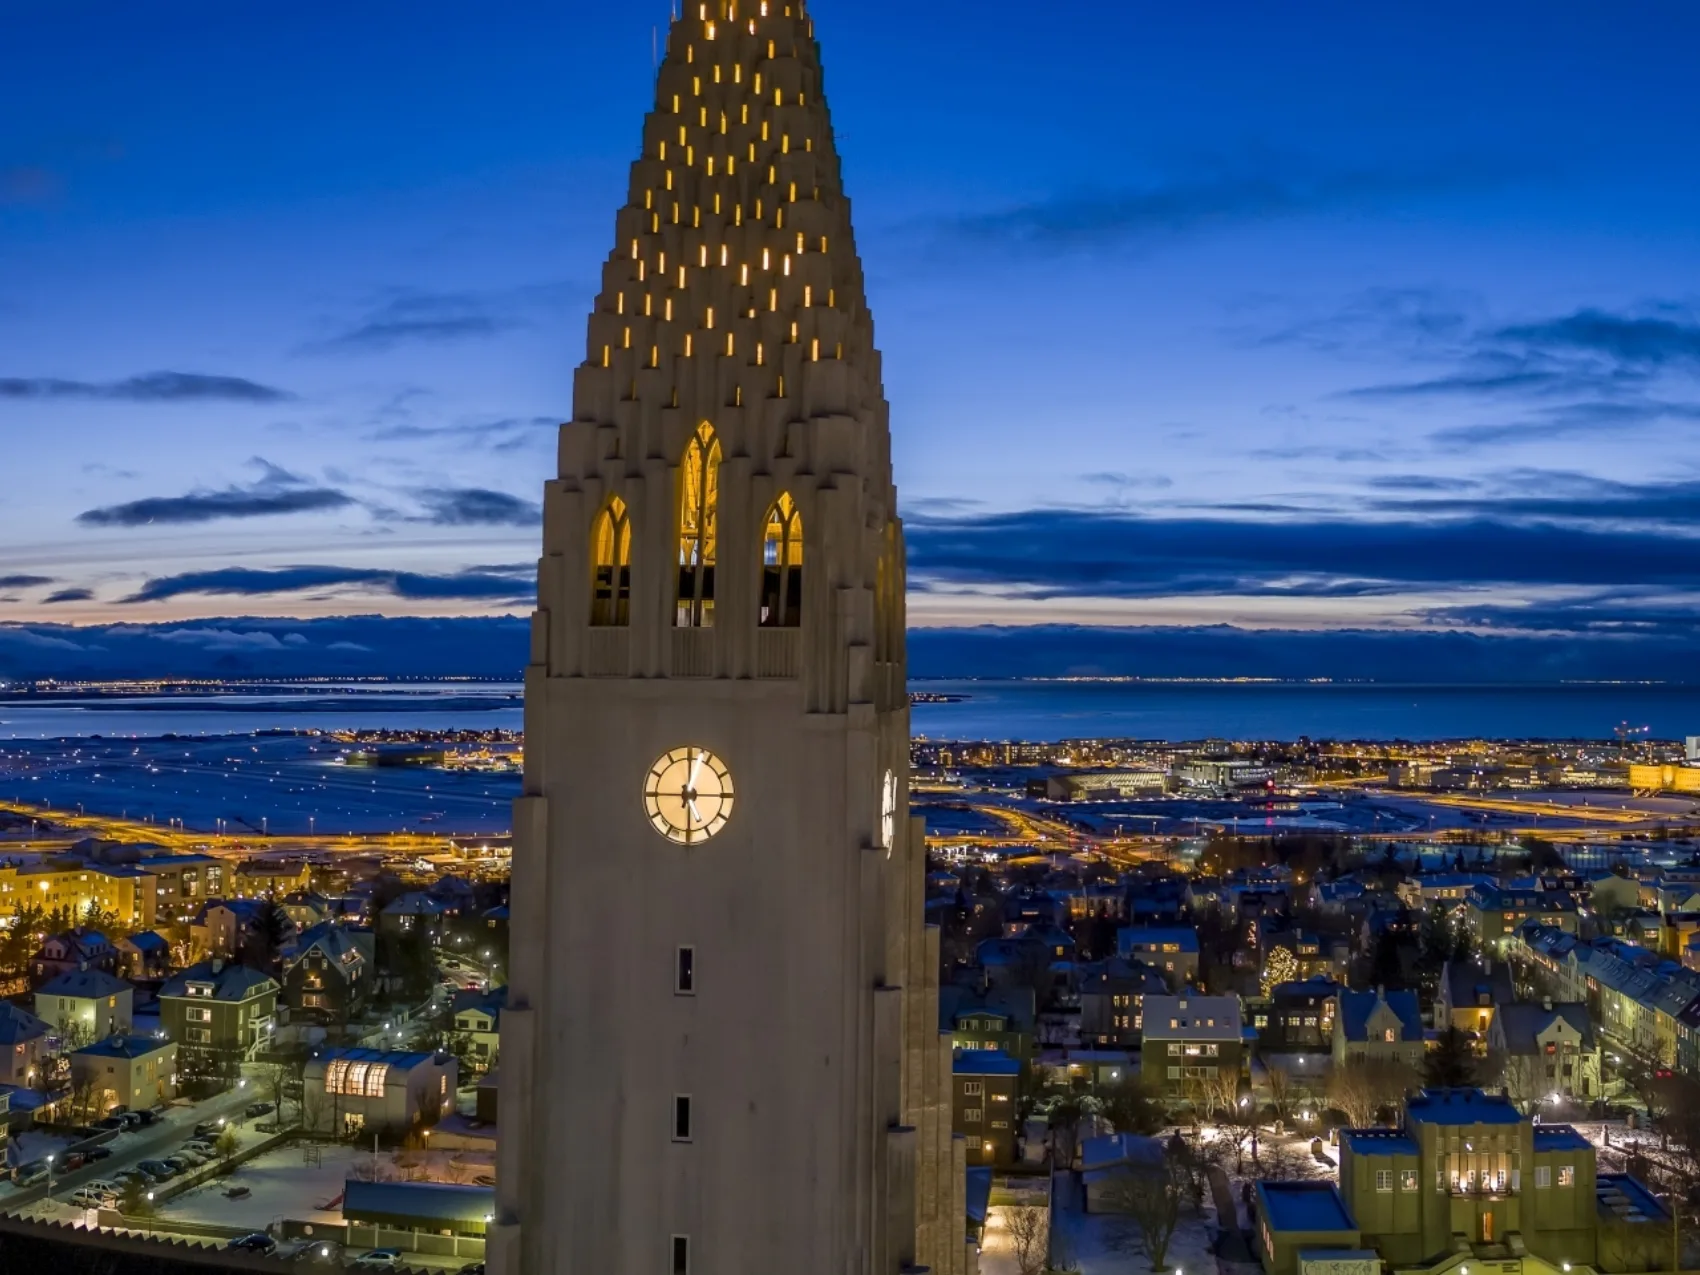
(782, 566)
(611, 597)
(699, 530)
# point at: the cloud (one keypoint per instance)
(509, 434)
(1079, 553)
(154, 387)
(477, 507)
(500, 584)
(1557, 496)
(1255, 193)
(1570, 420)
(412, 317)
(1625, 339)
(24, 581)
(276, 492)
(70, 595)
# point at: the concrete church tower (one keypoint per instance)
(721, 1054)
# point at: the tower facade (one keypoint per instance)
(721, 1053)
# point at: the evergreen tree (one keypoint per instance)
(1451, 1064)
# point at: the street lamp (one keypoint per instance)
(50, 1175)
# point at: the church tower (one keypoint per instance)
(721, 1054)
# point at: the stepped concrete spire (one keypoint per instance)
(721, 1053)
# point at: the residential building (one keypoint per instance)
(1300, 1017)
(1172, 949)
(1452, 889)
(85, 1005)
(330, 976)
(417, 913)
(478, 1022)
(1108, 1164)
(144, 956)
(1470, 993)
(1305, 1228)
(1190, 1041)
(350, 1091)
(182, 884)
(137, 1072)
(228, 928)
(1546, 1049)
(1379, 1024)
(1494, 914)
(219, 1013)
(453, 1219)
(1112, 999)
(984, 1105)
(23, 1043)
(998, 1018)
(77, 886)
(80, 949)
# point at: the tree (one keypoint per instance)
(266, 936)
(134, 1201)
(227, 1144)
(1451, 1064)
(1521, 1076)
(1029, 1091)
(1360, 1088)
(1149, 1198)
(1030, 1236)
(1063, 1120)
(1129, 1106)
(1281, 1091)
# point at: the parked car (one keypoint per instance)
(31, 1173)
(131, 1177)
(97, 1153)
(112, 1124)
(157, 1170)
(321, 1253)
(177, 1164)
(209, 1128)
(194, 1157)
(257, 1109)
(149, 1117)
(238, 1193)
(379, 1259)
(71, 1161)
(96, 1195)
(131, 1119)
(259, 1242)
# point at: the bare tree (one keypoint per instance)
(1520, 1075)
(1148, 1198)
(1360, 1088)
(1030, 1236)
(1281, 1091)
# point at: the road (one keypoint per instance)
(145, 1144)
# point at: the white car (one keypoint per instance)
(379, 1259)
(96, 1195)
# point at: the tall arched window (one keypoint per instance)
(782, 566)
(699, 529)
(611, 541)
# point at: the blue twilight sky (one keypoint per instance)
(1301, 316)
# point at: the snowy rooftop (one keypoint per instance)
(1304, 1206)
(1379, 1141)
(985, 1062)
(1560, 1137)
(1461, 1106)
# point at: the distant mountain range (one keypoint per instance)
(378, 646)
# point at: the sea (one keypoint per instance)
(1039, 711)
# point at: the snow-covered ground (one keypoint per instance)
(283, 1185)
(1098, 1245)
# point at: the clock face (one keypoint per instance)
(688, 796)
(888, 813)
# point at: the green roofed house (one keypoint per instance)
(1468, 1183)
(418, 1217)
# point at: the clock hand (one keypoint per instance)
(695, 813)
(696, 769)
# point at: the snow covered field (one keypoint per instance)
(283, 1185)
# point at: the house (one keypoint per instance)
(478, 1022)
(227, 928)
(998, 1018)
(1300, 1017)
(219, 1013)
(1546, 1049)
(417, 913)
(1112, 999)
(1190, 1041)
(23, 1042)
(1469, 1176)
(144, 956)
(1107, 1163)
(348, 1091)
(307, 909)
(331, 974)
(72, 950)
(984, 1104)
(1469, 994)
(137, 1072)
(1172, 949)
(85, 1005)
(1379, 1024)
